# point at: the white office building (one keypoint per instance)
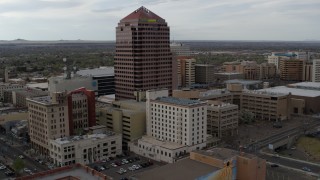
(174, 126)
(316, 70)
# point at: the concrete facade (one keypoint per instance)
(8, 87)
(186, 71)
(204, 73)
(316, 70)
(48, 119)
(85, 149)
(127, 117)
(222, 119)
(291, 69)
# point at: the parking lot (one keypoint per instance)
(115, 173)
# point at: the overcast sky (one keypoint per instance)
(188, 19)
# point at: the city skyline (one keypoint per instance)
(211, 20)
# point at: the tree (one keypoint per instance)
(246, 117)
(18, 165)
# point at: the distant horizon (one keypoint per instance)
(30, 40)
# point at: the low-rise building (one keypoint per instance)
(85, 149)
(223, 76)
(222, 119)
(7, 87)
(264, 105)
(19, 97)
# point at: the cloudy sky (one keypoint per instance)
(188, 19)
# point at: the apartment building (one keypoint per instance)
(85, 149)
(174, 126)
(48, 119)
(308, 72)
(204, 73)
(265, 105)
(291, 69)
(126, 117)
(316, 70)
(222, 119)
(186, 71)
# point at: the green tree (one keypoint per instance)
(246, 117)
(18, 165)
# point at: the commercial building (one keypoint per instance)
(85, 149)
(204, 73)
(249, 69)
(174, 127)
(8, 87)
(291, 69)
(222, 119)
(19, 97)
(179, 49)
(316, 70)
(143, 58)
(304, 96)
(61, 84)
(186, 71)
(104, 76)
(265, 106)
(59, 115)
(267, 71)
(127, 117)
(48, 119)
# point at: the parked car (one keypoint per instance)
(306, 169)
(9, 173)
(2, 167)
(21, 156)
(274, 165)
(26, 170)
(113, 165)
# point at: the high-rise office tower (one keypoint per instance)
(143, 58)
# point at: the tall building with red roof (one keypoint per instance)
(143, 59)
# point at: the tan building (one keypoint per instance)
(204, 73)
(308, 72)
(247, 166)
(291, 69)
(127, 117)
(85, 149)
(186, 71)
(251, 70)
(264, 105)
(48, 119)
(222, 119)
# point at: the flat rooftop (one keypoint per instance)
(91, 137)
(228, 73)
(306, 85)
(185, 169)
(46, 100)
(179, 101)
(242, 81)
(38, 85)
(219, 153)
(164, 144)
(75, 171)
(293, 91)
(267, 93)
(102, 71)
